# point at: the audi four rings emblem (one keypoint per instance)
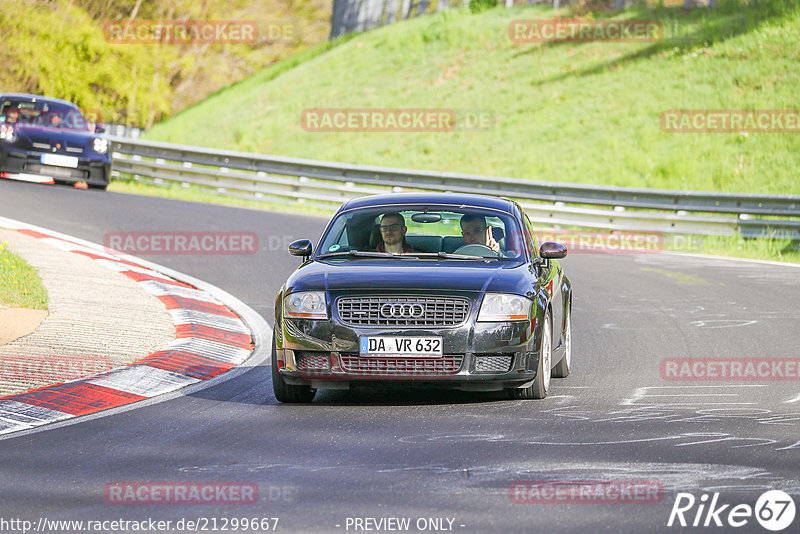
(402, 311)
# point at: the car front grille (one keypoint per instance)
(56, 172)
(447, 365)
(493, 364)
(403, 311)
(312, 361)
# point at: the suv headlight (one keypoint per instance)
(7, 133)
(100, 145)
(499, 307)
(306, 305)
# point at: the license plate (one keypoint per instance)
(59, 160)
(427, 347)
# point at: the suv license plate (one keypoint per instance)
(59, 161)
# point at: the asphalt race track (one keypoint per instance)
(427, 454)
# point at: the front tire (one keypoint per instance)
(288, 393)
(561, 370)
(541, 385)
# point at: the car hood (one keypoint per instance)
(421, 275)
(37, 134)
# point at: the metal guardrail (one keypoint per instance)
(121, 131)
(248, 175)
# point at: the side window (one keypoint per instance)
(530, 236)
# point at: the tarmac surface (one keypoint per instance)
(430, 454)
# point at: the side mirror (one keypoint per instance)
(552, 251)
(99, 128)
(301, 247)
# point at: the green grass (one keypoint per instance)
(736, 246)
(20, 285)
(584, 112)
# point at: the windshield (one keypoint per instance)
(44, 114)
(442, 232)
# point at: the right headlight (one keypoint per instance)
(305, 305)
(500, 307)
(100, 145)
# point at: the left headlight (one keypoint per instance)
(498, 307)
(7, 133)
(306, 305)
(100, 145)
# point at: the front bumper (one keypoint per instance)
(324, 354)
(95, 172)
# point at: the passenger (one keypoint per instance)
(393, 231)
(54, 120)
(476, 232)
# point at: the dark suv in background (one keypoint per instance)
(47, 138)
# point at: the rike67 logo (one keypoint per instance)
(774, 510)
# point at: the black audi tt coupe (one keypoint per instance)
(432, 289)
(47, 139)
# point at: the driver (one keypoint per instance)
(12, 115)
(476, 232)
(393, 232)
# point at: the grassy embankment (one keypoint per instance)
(586, 112)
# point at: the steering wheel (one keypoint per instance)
(476, 249)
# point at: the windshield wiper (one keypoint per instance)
(359, 254)
(448, 256)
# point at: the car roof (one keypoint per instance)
(38, 98)
(455, 199)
